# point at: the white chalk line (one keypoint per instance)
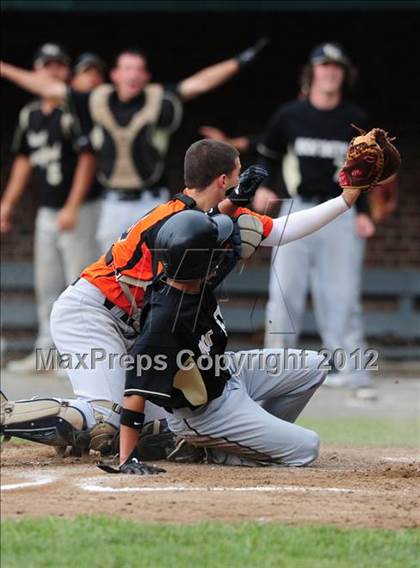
(93, 485)
(39, 480)
(96, 485)
(415, 459)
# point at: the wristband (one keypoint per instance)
(132, 419)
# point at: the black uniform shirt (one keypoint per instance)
(51, 142)
(146, 157)
(173, 321)
(311, 146)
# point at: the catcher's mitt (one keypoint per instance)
(372, 159)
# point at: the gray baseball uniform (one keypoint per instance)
(212, 397)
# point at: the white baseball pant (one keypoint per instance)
(81, 324)
(253, 420)
(329, 263)
(59, 258)
(117, 216)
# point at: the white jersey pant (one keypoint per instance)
(82, 327)
(252, 421)
(328, 263)
(59, 258)
(117, 216)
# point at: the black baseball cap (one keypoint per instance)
(89, 59)
(329, 53)
(50, 52)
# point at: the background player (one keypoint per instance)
(309, 137)
(132, 122)
(49, 147)
(304, 145)
(89, 72)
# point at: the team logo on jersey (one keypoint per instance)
(49, 158)
(320, 148)
(206, 343)
(37, 139)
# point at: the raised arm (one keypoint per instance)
(208, 79)
(35, 82)
(211, 77)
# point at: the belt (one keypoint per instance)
(108, 404)
(122, 316)
(133, 194)
(117, 311)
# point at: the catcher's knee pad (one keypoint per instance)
(103, 437)
(43, 420)
(251, 230)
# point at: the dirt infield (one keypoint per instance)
(346, 487)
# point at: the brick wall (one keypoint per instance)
(397, 241)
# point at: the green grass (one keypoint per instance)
(106, 543)
(362, 431)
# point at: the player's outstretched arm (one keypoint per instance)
(288, 228)
(35, 82)
(372, 159)
(211, 77)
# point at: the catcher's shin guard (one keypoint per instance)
(4, 438)
(43, 420)
(56, 423)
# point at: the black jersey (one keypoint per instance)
(177, 326)
(51, 141)
(310, 145)
(145, 145)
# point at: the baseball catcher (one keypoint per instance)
(112, 291)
